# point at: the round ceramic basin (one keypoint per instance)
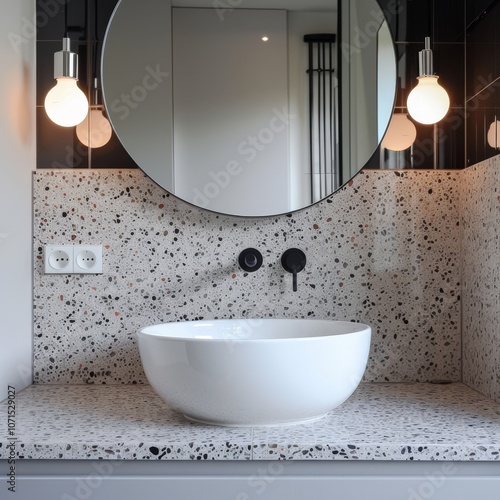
(255, 371)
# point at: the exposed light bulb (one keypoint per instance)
(493, 136)
(401, 133)
(66, 104)
(99, 130)
(428, 102)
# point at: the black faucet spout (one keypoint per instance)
(293, 261)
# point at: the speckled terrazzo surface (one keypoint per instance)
(384, 250)
(480, 198)
(379, 422)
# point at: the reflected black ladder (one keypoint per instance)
(323, 115)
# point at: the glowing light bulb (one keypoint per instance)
(493, 136)
(428, 102)
(66, 104)
(100, 131)
(401, 133)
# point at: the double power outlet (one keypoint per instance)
(72, 259)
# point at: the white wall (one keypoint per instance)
(215, 82)
(17, 149)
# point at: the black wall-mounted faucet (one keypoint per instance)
(250, 260)
(293, 261)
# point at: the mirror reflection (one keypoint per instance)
(249, 107)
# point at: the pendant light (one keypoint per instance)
(428, 102)
(401, 133)
(493, 136)
(65, 104)
(95, 131)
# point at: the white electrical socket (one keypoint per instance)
(58, 259)
(87, 259)
(69, 259)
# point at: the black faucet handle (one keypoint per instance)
(250, 260)
(293, 261)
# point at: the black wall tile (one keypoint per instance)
(409, 20)
(449, 65)
(482, 54)
(58, 147)
(112, 154)
(481, 113)
(87, 20)
(449, 19)
(483, 78)
(413, 20)
(105, 10)
(51, 23)
(451, 140)
(477, 9)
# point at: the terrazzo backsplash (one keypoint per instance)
(481, 277)
(384, 250)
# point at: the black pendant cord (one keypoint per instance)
(95, 43)
(89, 74)
(432, 27)
(89, 35)
(66, 33)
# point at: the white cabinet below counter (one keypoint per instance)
(254, 480)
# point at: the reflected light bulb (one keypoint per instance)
(428, 102)
(66, 104)
(493, 136)
(401, 133)
(100, 130)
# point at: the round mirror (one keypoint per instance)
(249, 108)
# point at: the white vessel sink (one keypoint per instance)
(255, 371)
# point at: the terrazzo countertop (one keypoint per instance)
(378, 422)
